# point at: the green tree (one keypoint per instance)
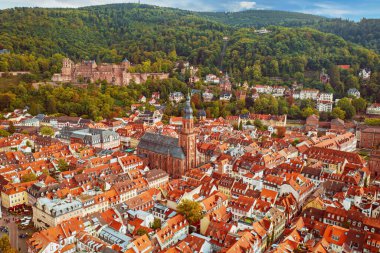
(4, 133)
(156, 224)
(360, 104)
(294, 112)
(5, 245)
(345, 105)
(6, 100)
(306, 112)
(62, 165)
(191, 210)
(11, 128)
(141, 231)
(372, 122)
(352, 82)
(338, 113)
(258, 124)
(28, 177)
(46, 131)
(257, 71)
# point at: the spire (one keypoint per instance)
(188, 110)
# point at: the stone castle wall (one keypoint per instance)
(113, 73)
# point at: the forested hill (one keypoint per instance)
(157, 37)
(262, 18)
(365, 33)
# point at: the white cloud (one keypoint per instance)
(238, 6)
(247, 5)
(328, 9)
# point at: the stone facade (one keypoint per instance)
(374, 163)
(370, 137)
(312, 123)
(113, 73)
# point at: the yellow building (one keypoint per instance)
(13, 196)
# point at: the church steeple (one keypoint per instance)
(187, 137)
(188, 109)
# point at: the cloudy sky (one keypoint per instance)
(352, 9)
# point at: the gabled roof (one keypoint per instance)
(161, 144)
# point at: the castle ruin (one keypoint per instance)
(116, 74)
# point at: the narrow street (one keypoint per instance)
(14, 232)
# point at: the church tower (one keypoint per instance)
(187, 137)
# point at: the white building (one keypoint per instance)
(325, 96)
(97, 138)
(278, 91)
(324, 106)
(210, 78)
(207, 96)
(374, 109)
(353, 92)
(309, 94)
(263, 89)
(34, 122)
(226, 97)
(176, 97)
(365, 74)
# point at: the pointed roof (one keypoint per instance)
(188, 109)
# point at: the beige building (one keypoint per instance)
(51, 212)
(14, 196)
(156, 178)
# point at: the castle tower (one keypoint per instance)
(187, 136)
(67, 67)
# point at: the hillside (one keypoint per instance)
(365, 33)
(262, 18)
(39, 38)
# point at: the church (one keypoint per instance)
(173, 155)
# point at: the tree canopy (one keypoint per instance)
(47, 131)
(192, 210)
(5, 245)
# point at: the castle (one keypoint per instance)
(113, 73)
(173, 155)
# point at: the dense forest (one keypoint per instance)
(155, 39)
(262, 18)
(96, 101)
(365, 33)
(39, 38)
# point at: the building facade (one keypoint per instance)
(370, 137)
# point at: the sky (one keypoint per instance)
(347, 9)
